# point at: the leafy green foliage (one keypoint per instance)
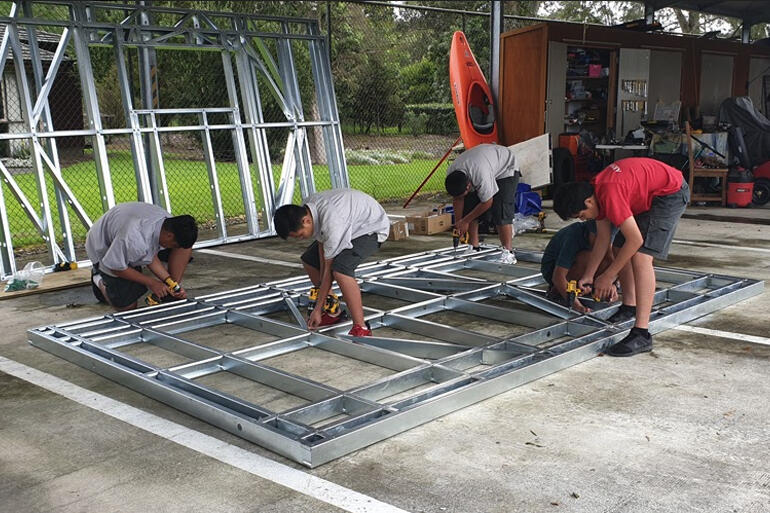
(440, 117)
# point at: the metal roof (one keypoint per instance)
(751, 11)
(42, 37)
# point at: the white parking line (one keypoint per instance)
(702, 244)
(725, 334)
(250, 258)
(723, 246)
(297, 480)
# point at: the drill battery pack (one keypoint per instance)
(331, 304)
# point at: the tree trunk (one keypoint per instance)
(316, 138)
(689, 24)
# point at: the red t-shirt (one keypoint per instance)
(626, 187)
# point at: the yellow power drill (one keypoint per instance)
(573, 292)
(173, 286)
(331, 304)
(457, 239)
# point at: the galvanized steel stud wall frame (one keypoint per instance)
(432, 369)
(238, 37)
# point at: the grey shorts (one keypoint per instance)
(658, 224)
(349, 259)
(503, 202)
(121, 292)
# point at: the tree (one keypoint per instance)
(604, 13)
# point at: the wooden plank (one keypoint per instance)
(54, 281)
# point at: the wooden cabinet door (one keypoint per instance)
(523, 56)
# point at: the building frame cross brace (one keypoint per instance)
(259, 57)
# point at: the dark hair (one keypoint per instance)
(456, 182)
(570, 198)
(288, 218)
(184, 228)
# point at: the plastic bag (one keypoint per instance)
(28, 278)
(527, 202)
(522, 223)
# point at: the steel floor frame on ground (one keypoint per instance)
(442, 370)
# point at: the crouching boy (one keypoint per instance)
(644, 198)
(131, 235)
(347, 227)
(565, 259)
(482, 182)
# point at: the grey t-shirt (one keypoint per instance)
(127, 235)
(483, 164)
(341, 215)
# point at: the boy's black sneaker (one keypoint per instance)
(633, 344)
(624, 313)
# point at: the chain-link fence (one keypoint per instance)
(389, 66)
(391, 73)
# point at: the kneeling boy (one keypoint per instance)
(565, 258)
(131, 235)
(348, 226)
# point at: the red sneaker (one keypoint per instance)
(360, 331)
(328, 320)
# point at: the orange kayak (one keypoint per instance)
(471, 95)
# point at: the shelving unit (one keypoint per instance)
(587, 90)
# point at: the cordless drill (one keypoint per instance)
(173, 286)
(457, 239)
(573, 292)
(331, 304)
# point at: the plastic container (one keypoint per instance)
(740, 188)
(569, 141)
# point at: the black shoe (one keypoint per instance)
(623, 314)
(633, 344)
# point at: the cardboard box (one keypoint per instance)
(429, 223)
(399, 230)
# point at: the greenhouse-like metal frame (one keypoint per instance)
(436, 369)
(238, 37)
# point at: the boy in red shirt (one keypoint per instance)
(644, 198)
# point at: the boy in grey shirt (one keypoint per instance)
(131, 235)
(482, 182)
(348, 226)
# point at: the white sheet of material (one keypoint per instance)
(533, 158)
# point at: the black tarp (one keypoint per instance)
(740, 111)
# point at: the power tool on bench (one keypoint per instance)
(457, 239)
(173, 287)
(331, 304)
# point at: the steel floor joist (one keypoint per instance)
(448, 332)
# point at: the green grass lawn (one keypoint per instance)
(189, 189)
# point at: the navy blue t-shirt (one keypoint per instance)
(563, 247)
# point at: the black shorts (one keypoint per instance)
(658, 224)
(503, 202)
(349, 259)
(121, 292)
(547, 267)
